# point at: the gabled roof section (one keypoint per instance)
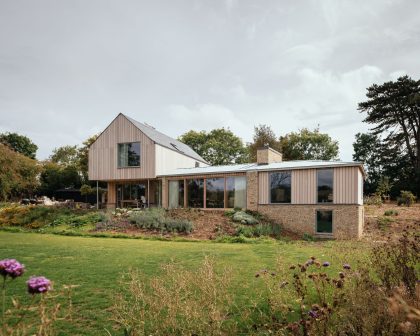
(165, 141)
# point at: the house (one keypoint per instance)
(142, 165)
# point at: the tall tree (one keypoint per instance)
(19, 143)
(218, 147)
(18, 174)
(393, 108)
(263, 135)
(308, 145)
(65, 156)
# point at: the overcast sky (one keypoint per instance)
(67, 68)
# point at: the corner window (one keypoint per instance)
(325, 185)
(324, 221)
(280, 187)
(129, 154)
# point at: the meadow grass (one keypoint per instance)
(95, 265)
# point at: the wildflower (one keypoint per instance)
(325, 264)
(346, 266)
(11, 267)
(313, 314)
(38, 285)
(341, 274)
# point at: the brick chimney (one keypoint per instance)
(266, 155)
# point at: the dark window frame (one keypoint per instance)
(270, 189)
(118, 154)
(317, 185)
(332, 221)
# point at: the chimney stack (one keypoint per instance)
(266, 155)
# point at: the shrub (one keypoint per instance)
(177, 302)
(407, 198)
(372, 200)
(391, 213)
(308, 237)
(178, 225)
(244, 218)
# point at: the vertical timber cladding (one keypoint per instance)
(347, 184)
(103, 153)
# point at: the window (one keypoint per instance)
(324, 221)
(129, 154)
(236, 192)
(129, 194)
(325, 185)
(195, 195)
(215, 192)
(280, 187)
(176, 194)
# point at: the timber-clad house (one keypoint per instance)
(143, 167)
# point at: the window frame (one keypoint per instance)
(317, 190)
(332, 222)
(269, 186)
(118, 154)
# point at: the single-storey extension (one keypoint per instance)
(143, 167)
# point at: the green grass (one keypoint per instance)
(96, 265)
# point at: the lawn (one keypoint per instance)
(96, 265)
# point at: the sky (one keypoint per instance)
(67, 68)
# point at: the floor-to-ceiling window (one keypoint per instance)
(195, 193)
(215, 192)
(324, 221)
(176, 194)
(281, 187)
(236, 192)
(325, 185)
(130, 194)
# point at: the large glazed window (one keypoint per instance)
(195, 194)
(280, 187)
(324, 221)
(236, 192)
(215, 192)
(176, 194)
(325, 185)
(129, 154)
(129, 194)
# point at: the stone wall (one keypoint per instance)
(252, 190)
(347, 219)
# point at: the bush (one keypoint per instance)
(155, 219)
(391, 213)
(407, 198)
(372, 200)
(244, 218)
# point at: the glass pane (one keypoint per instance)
(176, 194)
(236, 192)
(195, 193)
(325, 185)
(281, 187)
(129, 154)
(324, 221)
(215, 193)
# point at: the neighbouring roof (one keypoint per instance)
(166, 141)
(285, 165)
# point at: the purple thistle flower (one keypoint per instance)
(325, 264)
(38, 285)
(313, 314)
(11, 267)
(346, 266)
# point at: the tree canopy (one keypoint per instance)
(218, 147)
(19, 143)
(18, 174)
(308, 145)
(263, 135)
(393, 108)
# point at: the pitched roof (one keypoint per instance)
(285, 165)
(166, 141)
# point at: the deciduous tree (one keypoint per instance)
(19, 143)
